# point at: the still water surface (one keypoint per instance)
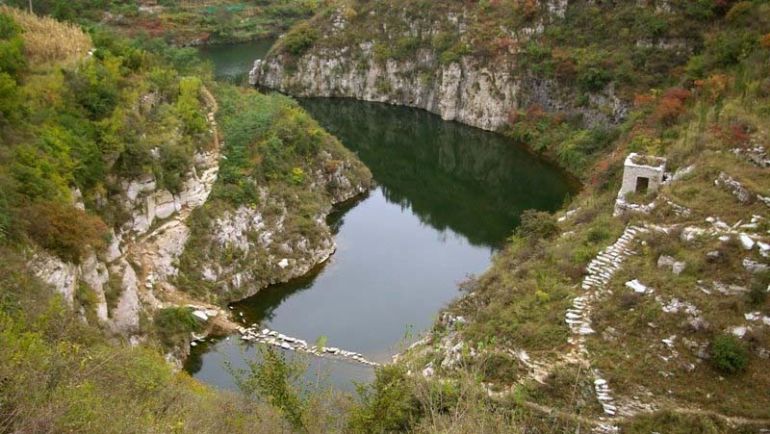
(447, 197)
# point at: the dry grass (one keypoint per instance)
(47, 41)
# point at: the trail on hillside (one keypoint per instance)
(155, 252)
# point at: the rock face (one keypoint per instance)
(348, 61)
(138, 256)
(467, 91)
(147, 204)
(252, 246)
(136, 274)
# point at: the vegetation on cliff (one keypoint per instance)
(182, 22)
(279, 177)
(77, 116)
(575, 67)
(688, 353)
(82, 115)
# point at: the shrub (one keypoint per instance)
(297, 176)
(174, 324)
(12, 60)
(537, 224)
(597, 234)
(728, 354)
(300, 39)
(498, 368)
(757, 295)
(593, 79)
(64, 229)
(10, 97)
(188, 105)
(275, 379)
(387, 405)
(95, 87)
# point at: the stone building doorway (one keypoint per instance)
(642, 184)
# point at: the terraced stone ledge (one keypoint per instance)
(272, 337)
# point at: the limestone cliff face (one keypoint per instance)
(245, 249)
(141, 256)
(242, 250)
(470, 90)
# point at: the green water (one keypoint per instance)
(232, 62)
(448, 196)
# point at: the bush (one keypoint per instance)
(63, 229)
(593, 79)
(174, 324)
(728, 354)
(537, 224)
(10, 97)
(12, 58)
(300, 39)
(95, 87)
(387, 405)
(188, 105)
(757, 295)
(276, 380)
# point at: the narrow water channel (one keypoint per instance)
(448, 196)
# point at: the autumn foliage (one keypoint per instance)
(67, 231)
(764, 41)
(671, 105)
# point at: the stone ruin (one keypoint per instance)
(642, 174)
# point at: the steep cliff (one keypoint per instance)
(634, 312)
(266, 221)
(107, 176)
(546, 73)
(473, 64)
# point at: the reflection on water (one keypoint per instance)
(452, 176)
(232, 62)
(447, 197)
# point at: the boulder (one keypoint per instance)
(200, 315)
(746, 241)
(754, 267)
(638, 286)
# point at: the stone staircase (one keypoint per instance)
(599, 272)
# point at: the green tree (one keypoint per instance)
(188, 105)
(12, 60)
(276, 380)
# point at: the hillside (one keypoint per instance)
(640, 313)
(113, 156)
(181, 22)
(138, 197)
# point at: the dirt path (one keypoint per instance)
(599, 272)
(155, 252)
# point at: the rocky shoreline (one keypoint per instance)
(274, 338)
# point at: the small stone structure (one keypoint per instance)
(642, 174)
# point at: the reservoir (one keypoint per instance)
(447, 197)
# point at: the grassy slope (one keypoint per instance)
(521, 300)
(60, 371)
(183, 22)
(694, 74)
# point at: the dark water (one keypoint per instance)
(233, 62)
(448, 196)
